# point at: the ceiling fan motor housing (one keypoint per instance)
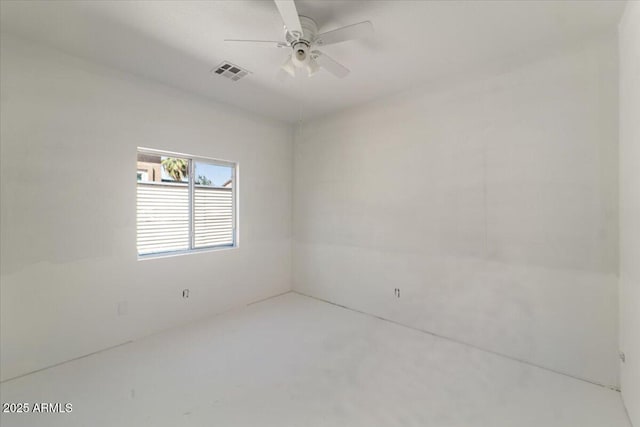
(309, 32)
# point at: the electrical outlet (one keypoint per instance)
(185, 293)
(123, 308)
(396, 292)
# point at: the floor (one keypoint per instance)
(296, 361)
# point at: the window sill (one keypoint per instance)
(185, 252)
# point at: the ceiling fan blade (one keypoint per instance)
(261, 43)
(330, 64)
(289, 13)
(289, 67)
(350, 32)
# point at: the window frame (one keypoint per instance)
(191, 189)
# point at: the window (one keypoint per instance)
(184, 203)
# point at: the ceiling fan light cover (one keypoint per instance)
(300, 55)
(289, 67)
(312, 67)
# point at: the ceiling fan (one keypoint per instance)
(302, 37)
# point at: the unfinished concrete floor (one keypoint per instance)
(296, 361)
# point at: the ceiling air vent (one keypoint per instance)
(230, 71)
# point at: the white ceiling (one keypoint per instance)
(179, 42)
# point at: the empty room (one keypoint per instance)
(320, 213)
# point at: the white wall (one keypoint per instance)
(68, 193)
(491, 203)
(630, 207)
